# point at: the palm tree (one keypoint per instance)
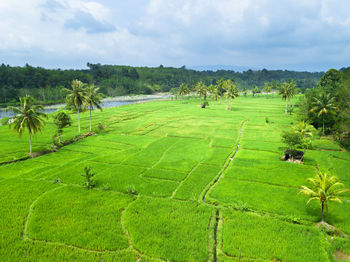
(323, 105)
(231, 93)
(211, 88)
(76, 97)
(305, 129)
(255, 90)
(287, 91)
(325, 189)
(201, 90)
(216, 93)
(29, 116)
(183, 90)
(220, 85)
(267, 88)
(92, 99)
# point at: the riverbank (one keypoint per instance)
(107, 102)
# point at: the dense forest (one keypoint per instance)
(46, 84)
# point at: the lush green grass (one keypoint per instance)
(171, 230)
(73, 216)
(271, 239)
(154, 162)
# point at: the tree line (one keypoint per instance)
(47, 85)
(327, 106)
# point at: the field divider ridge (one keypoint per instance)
(189, 173)
(24, 233)
(227, 163)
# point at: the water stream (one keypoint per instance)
(108, 102)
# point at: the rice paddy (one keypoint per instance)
(174, 182)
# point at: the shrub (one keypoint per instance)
(100, 127)
(89, 182)
(131, 190)
(292, 140)
(4, 121)
(205, 104)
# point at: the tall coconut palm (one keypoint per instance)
(183, 90)
(76, 97)
(231, 93)
(220, 85)
(211, 88)
(226, 85)
(287, 91)
(28, 116)
(323, 105)
(324, 188)
(201, 90)
(92, 99)
(216, 93)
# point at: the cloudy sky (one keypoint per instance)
(274, 34)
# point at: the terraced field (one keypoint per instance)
(174, 183)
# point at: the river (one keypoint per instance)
(107, 102)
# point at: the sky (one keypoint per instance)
(310, 35)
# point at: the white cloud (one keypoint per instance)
(312, 34)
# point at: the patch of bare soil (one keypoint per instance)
(340, 256)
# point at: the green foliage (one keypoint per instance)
(175, 230)
(305, 129)
(323, 105)
(89, 182)
(4, 121)
(256, 90)
(201, 90)
(292, 140)
(324, 188)
(28, 116)
(270, 240)
(183, 90)
(47, 85)
(231, 93)
(92, 99)
(327, 106)
(169, 153)
(61, 120)
(76, 98)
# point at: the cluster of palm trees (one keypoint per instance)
(31, 117)
(83, 96)
(223, 88)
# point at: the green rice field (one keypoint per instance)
(174, 182)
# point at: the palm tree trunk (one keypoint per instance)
(90, 120)
(200, 99)
(322, 211)
(285, 111)
(78, 121)
(30, 142)
(323, 125)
